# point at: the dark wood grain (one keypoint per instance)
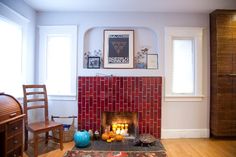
(223, 68)
(11, 127)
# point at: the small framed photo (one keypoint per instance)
(93, 62)
(118, 48)
(152, 61)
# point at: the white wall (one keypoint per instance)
(179, 119)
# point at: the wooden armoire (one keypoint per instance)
(223, 73)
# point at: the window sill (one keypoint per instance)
(184, 98)
(62, 97)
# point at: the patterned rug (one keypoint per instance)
(81, 153)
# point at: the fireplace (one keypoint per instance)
(124, 123)
(141, 95)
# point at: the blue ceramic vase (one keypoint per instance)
(140, 66)
(81, 138)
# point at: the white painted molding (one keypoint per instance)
(69, 31)
(195, 34)
(5, 10)
(185, 133)
(183, 98)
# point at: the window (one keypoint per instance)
(57, 60)
(183, 66)
(183, 63)
(11, 51)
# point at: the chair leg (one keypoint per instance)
(35, 144)
(26, 139)
(61, 137)
(46, 138)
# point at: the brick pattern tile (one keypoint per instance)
(120, 94)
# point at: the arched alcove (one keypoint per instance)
(143, 38)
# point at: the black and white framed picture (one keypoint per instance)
(93, 62)
(118, 48)
(152, 61)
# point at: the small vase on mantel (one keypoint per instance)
(140, 66)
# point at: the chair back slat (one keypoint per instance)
(35, 100)
(33, 93)
(35, 107)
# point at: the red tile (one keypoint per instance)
(132, 94)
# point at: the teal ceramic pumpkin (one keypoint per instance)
(81, 138)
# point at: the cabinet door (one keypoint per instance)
(223, 107)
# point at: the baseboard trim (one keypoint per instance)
(185, 133)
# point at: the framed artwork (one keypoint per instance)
(152, 61)
(118, 48)
(93, 62)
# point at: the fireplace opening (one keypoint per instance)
(124, 123)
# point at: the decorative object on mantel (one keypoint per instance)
(93, 63)
(94, 53)
(118, 48)
(152, 61)
(140, 58)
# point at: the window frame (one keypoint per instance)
(11, 16)
(44, 32)
(18, 79)
(196, 34)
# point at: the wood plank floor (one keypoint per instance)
(200, 148)
(177, 148)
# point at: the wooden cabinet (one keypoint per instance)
(11, 127)
(223, 73)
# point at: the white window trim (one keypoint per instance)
(10, 15)
(195, 33)
(43, 31)
(62, 97)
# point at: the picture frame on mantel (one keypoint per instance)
(152, 61)
(93, 63)
(118, 49)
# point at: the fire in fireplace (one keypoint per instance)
(120, 128)
(123, 123)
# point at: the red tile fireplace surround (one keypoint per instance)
(120, 94)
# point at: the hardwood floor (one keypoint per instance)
(200, 148)
(178, 148)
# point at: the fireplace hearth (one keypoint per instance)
(140, 95)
